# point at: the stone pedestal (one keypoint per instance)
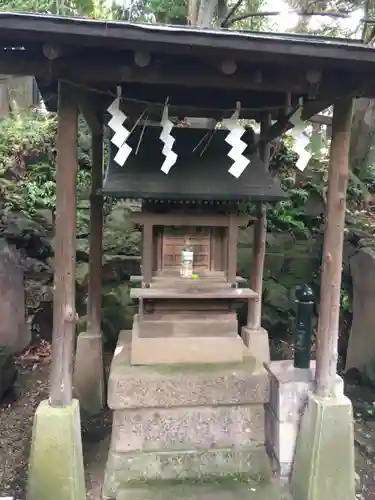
(14, 332)
(289, 389)
(256, 340)
(56, 458)
(181, 422)
(324, 460)
(89, 380)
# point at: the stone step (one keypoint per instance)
(168, 386)
(188, 324)
(226, 490)
(126, 469)
(191, 428)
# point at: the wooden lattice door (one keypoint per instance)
(174, 240)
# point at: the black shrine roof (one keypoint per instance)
(200, 172)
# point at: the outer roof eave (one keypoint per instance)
(21, 26)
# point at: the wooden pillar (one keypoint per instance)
(254, 316)
(232, 249)
(64, 313)
(338, 172)
(96, 238)
(147, 247)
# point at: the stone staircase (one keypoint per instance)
(229, 490)
(186, 423)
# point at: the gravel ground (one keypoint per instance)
(17, 410)
(16, 416)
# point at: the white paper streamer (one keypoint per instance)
(238, 146)
(168, 140)
(121, 133)
(301, 140)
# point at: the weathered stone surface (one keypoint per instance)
(89, 380)
(326, 425)
(256, 340)
(229, 490)
(289, 387)
(289, 392)
(361, 346)
(188, 349)
(14, 332)
(56, 459)
(187, 428)
(187, 385)
(125, 468)
(8, 372)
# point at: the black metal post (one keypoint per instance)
(305, 311)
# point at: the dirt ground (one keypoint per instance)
(18, 407)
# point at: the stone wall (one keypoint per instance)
(289, 262)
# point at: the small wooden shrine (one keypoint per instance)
(189, 320)
(187, 422)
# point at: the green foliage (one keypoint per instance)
(27, 161)
(26, 155)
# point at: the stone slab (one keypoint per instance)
(89, 382)
(188, 324)
(184, 385)
(289, 387)
(180, 350)
(280, 437)
(324, 459)
(124, 469)
(256, 340)
(196, 428)
(228, 490)
(56, 459)
(8, 372)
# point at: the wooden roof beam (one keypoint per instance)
(104, 71)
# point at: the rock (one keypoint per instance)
(361, 346)
(277, 296)
(28, 234)
(8, 372)
(37, 270)
(14, 332)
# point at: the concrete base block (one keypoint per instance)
(56, 459)
(126, 469)
(256, 339)
(177, 422)
(89, 373)
(324, 459)
(289, 391)
(167, 386)
(182, 350)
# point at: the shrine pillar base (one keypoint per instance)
(256, 340)
(324, 459)
(185, 422)
(56, 460)
(89, 378)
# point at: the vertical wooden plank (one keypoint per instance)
(232, 249)
(254, 317)
(96, 238)
(64, 316)
(338, 172)
(147, 253)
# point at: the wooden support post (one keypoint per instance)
(89, 371)
(254, 316)
(96, 237)
(64, 312)
(232, 249)
(330, 285)
(147, 247)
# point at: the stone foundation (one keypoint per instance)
(175, 422)
(289, 389)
